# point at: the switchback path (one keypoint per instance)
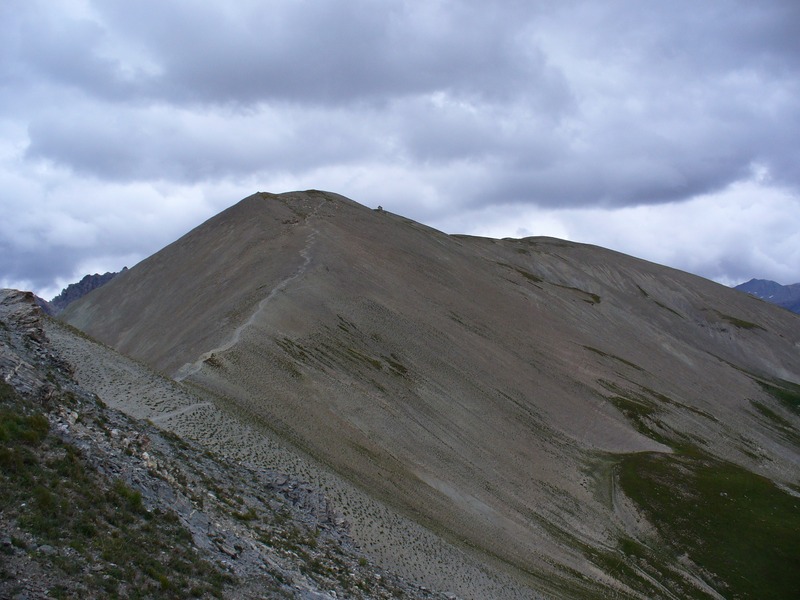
(191, 368)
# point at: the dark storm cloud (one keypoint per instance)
(681, 108)
(46, 48)
(178, 146)
(331, 52)
(252, 52)
(28, 265)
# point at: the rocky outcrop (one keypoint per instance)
(75, 291)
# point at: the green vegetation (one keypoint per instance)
(733, 524)
(526, 274)
(367, 360)
(17, 427)
(641, 409)
(740, 323)
(785, 392)
(778, 422)
(50, 493)
(643, 406)
(615, 357)
(395, 365)
(665, 307)
(7, 393)
(345, 325)
(645, 569)
(330, 355)
(785, 398)
(737, 531)
(588, 297)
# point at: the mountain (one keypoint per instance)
(75, 291)
(97, 504)
(495, 418)
(787, 296)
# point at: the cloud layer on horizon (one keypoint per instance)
(125, 124)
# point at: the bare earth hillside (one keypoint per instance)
(524, 406)
(97, 504)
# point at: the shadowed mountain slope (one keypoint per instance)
(502, 393)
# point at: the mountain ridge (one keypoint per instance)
(487, 389)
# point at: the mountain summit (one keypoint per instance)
(524, 417)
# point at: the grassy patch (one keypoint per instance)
(526, 274)
(785, 398)
(589, 297)
(332, 355)
(734, 524)
(785, 392)
(91, 521)
(367, 360)
(7, 393)
(740, 323)
(617, 358)
(17, 427)
(395, 365)
(665, 307)
(293, 349)
(777, 422)
(642, 412)
(644, 407)
(346, 326)
(630, 561)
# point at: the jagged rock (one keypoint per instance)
(75, 291)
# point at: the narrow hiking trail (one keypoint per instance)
(180, 411)
(190, 369)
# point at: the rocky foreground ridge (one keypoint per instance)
(97, 504)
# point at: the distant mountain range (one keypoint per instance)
(787, 296)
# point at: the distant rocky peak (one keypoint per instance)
(787, 296)
(75, 291)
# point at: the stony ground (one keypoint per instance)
(97, 503)
(387, 537)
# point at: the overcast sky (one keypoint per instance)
(668, 130)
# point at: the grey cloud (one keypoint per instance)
(27, 255)
(444, 107)
(43, 44)
(337, 52)
(139, 144)
(664, 131)
(56, 230)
